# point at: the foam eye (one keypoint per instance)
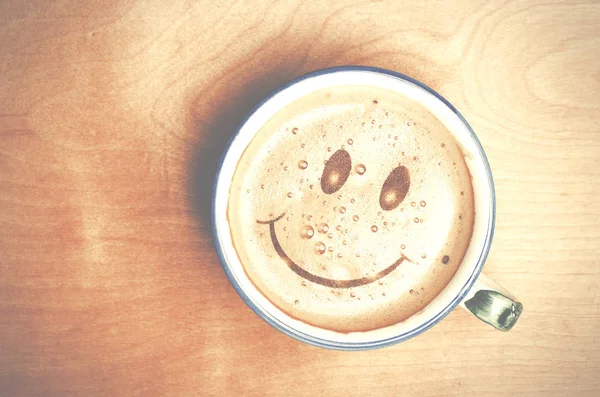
(394, 188)
(336, 172)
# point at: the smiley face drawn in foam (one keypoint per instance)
(350, 213)
(335, 174)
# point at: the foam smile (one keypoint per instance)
(328, 282)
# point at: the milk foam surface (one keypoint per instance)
(292, 229)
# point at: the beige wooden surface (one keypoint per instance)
(113, 115)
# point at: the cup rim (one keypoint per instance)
(338, 345)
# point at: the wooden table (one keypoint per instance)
(113, 115)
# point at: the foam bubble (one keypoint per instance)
(307, 232)
(360, 169)
(319, 248)
(323, 227)
(374, 228)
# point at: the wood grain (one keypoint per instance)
(113, 115)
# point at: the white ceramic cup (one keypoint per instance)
(468, 288)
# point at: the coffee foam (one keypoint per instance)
(347, 235)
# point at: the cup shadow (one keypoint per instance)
(216, 115)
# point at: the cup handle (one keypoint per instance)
(492, 304)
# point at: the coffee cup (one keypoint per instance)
(354, 208)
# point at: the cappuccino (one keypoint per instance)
(351, 208)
